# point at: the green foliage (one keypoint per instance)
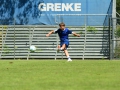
(6, 49)
(3, 27)
(91, 29)
(117, 32)
(117, 49)
(117, 52)
(118, 6)
(80, 33)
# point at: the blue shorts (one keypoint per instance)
(66, 42)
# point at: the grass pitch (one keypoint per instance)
(59, 75)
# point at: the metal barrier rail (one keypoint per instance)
(19, 39)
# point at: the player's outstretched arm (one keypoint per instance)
(78, 35)
(47, 35)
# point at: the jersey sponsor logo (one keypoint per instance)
(60, 7)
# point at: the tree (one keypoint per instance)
(118, 6)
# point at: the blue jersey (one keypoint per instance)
(63, 34)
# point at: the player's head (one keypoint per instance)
(62, 26)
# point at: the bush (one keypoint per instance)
(117, 49)
(117, 33)
(91, 29)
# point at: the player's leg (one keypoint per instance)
(64, 48)
(67, 55)
(64, 45)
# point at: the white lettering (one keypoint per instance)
(50, 7)
(70, 6)
(78, 7)
(67, 7)
(60, 7)
(64, 7)
(42, 7)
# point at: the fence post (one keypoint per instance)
(57, 22)
(30, 40)
(14, 39)
(110, 56)
(29, 43)
(114, 25)
(85, 37)
(2, 44)
(57, 46)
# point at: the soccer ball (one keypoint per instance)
(32, 48)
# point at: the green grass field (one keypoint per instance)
(59, 75)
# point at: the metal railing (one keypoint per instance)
(82, 47)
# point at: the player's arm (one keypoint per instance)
(47, 35)
(75, 34)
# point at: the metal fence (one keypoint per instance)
(93, 43)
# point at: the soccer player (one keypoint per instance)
(64, 40)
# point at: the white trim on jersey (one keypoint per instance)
(55, 30)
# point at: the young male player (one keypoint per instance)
(64, 40)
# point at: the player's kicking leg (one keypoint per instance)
(64, 48)
(67, 55)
